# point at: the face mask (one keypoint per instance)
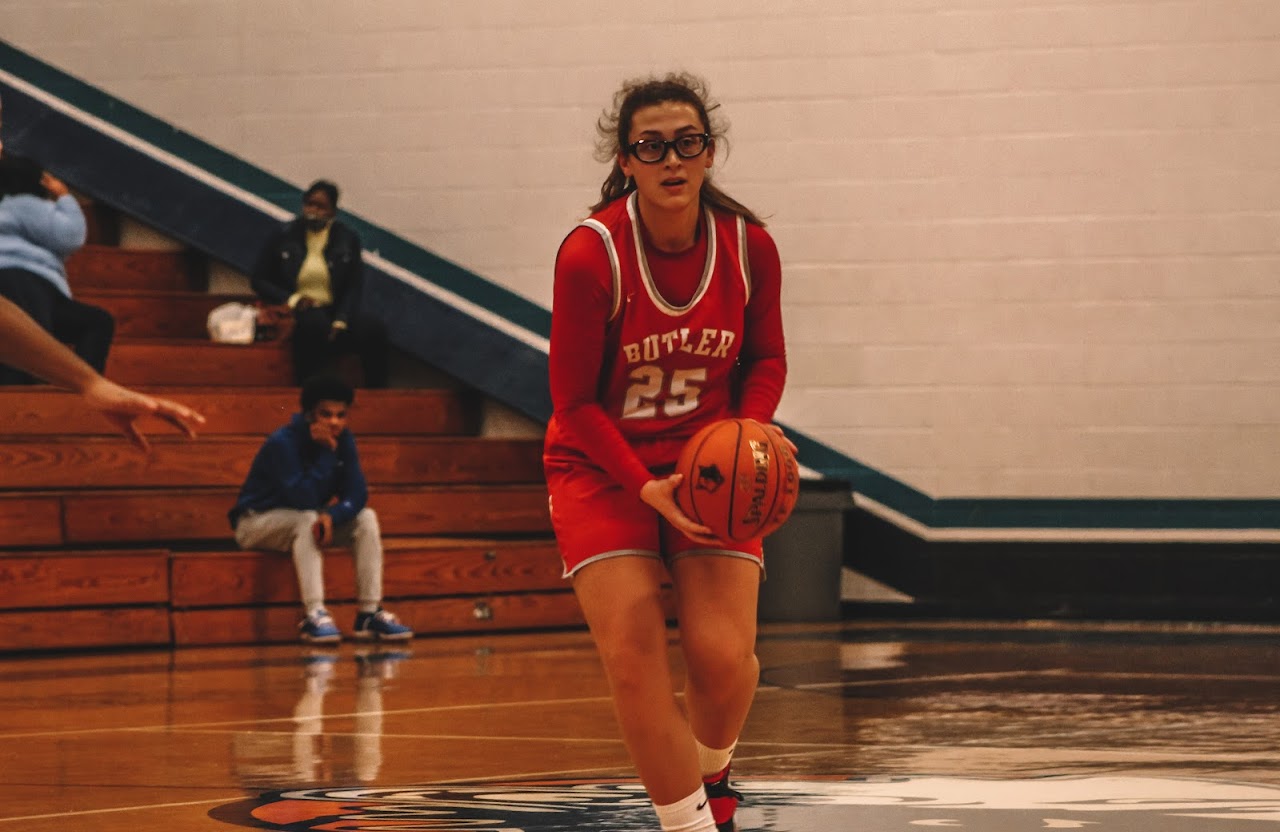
(316, 223)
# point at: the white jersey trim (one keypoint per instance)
(708, 269)
(742, 255)
(614, 264)
(617, 553)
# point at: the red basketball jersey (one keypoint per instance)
(667, 368)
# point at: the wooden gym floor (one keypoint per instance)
(858, 726)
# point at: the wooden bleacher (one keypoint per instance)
(252, 411)
(61, 462)
(101, 546)
(100, 265)
(134, 310)
(175, 361)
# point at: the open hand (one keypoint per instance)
(123, 407)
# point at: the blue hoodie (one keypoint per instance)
(37, 234)
(291, 470)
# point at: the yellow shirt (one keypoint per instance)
(313, 276)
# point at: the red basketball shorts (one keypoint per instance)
(595, 519)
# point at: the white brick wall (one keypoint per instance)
(1032, 247)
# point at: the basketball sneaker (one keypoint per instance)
(318, 628)
(380, 626)
(724, 800)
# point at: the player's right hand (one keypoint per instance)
(661, 495)
(322, 434)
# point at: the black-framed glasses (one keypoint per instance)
(688, 146)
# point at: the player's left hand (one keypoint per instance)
(322, 529)
(778, 430)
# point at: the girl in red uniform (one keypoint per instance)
(666, 316)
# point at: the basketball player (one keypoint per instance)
(666, 316)
(24, 344)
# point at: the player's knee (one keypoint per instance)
(717, 655)
(303, 524)
(631, 663)
(366, 522)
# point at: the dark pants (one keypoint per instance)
(313, 351)
(85, 328)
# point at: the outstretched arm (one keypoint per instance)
(25, 345)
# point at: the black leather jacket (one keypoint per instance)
(275, 276)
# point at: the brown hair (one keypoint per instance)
(614, 129)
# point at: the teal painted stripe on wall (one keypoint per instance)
(1132, 513)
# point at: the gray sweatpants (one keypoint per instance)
(289, 530)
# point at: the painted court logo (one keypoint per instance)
(891, 804)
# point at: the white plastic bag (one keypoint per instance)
(233, 323)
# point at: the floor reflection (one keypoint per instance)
(322, 747)
(863, 725)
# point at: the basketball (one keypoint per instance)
(740, 479)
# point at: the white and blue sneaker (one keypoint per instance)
(318, 628)
(380, 626)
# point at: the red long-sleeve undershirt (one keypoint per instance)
(582, 301)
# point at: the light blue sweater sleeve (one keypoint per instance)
(58, 226)
(37, 235)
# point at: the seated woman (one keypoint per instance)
(314, 267)
(41, 224)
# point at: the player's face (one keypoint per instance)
(331, 414)
(671, 183)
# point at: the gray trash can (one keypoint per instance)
(803, 559)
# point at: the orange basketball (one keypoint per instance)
(740, 479)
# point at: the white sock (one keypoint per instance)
(713, 760)
(692, 814)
